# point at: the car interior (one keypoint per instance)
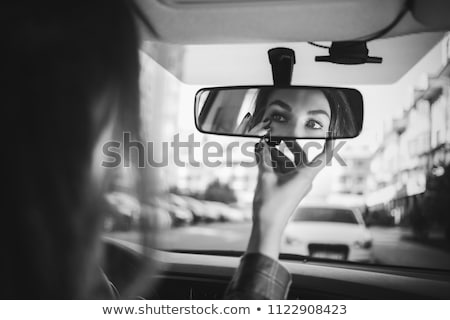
(223, 45)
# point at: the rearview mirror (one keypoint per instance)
(282, 112)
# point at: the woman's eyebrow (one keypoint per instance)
(318, 111)
(282, 104)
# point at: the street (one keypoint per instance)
(391, 246)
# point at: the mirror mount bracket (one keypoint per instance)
(349, 52)
(282, 61)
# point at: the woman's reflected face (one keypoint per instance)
(298, 113)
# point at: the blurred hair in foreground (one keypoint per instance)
(72, 82)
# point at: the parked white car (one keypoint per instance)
(225, 212)
(329, 231)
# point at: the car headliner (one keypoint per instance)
(218, 42)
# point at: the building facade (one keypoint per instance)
(416, 148)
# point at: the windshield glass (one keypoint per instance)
(395, 175)
(325, 215)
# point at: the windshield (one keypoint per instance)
(395, 175)
(325, 215)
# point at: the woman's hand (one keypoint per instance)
(259, 129)
(281, 186)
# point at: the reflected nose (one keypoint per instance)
(299, 129)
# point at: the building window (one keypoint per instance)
(359, 163)
(438, 137)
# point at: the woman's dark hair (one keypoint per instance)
(62, 59)
(342, 123)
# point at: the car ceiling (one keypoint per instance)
(219, 42)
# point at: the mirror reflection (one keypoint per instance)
(295, 112)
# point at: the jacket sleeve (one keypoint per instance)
(259, 277)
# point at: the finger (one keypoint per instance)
(281, 163)
(242, 127)
(261, 128)
(263, 157)
(324, 158)
(300, 157)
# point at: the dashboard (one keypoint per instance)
(199, 276)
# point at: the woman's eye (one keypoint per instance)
(278, 118)
(313, 124)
